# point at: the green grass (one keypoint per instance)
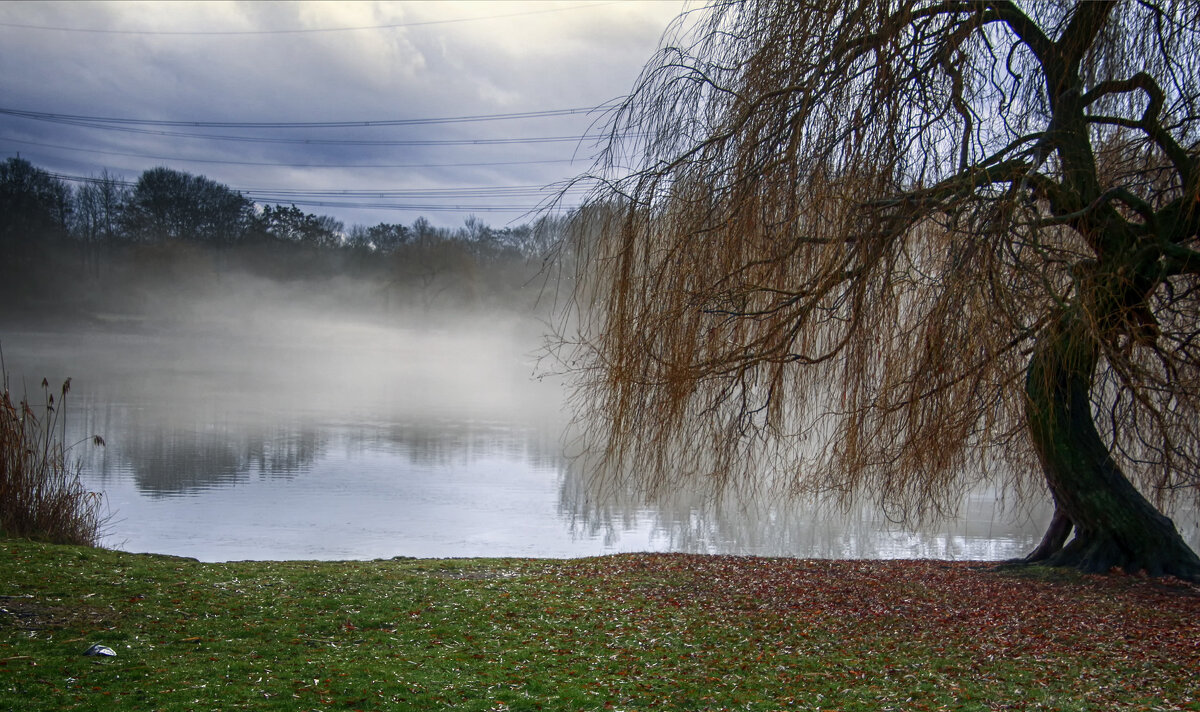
(621, 632)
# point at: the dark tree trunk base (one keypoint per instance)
(1052, 542)
(1103, 554)
(1115, 526)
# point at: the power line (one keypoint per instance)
(180, 159)
(330, 141)
(88, 120)
(235, 33)
(526, 208)
(341, 198)
(299, 199)
(534, 197)
(327, 197)
(475, 192)
(289, 196)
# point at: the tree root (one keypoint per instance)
(1054, 539)
(1102, 554)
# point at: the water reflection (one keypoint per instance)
(763, 526)
(167, 455)
(333, 489)
(377, 441)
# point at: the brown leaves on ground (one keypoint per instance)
(631, 632)
(1112, 635)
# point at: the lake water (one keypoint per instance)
(311, 439)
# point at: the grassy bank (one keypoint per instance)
(621, 632)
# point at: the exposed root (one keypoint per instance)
(1054, 539)
(1098, 555)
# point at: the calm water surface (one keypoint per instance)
(336, 440)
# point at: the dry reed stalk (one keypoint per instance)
(41, 495)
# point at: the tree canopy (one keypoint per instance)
(31, 201)
(170, 204)
(889, 248)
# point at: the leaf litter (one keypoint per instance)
(630, 631)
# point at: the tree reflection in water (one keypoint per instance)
(407, 458)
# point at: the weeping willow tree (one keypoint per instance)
(887, 248)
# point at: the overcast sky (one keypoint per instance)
(324, 62)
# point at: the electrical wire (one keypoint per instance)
(317, 30)
(369, 199)
(180, 159)
(87, 120)
(525, 208)
(474, 191)
(334, 141)
(341, 198)
(328, 197)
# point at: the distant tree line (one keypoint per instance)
(166, 205)
(108, 229)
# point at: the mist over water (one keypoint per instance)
(265, 422)
(288, 432)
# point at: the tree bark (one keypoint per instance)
(1052, 541)
(1115, 526)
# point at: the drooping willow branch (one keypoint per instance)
(849, 223)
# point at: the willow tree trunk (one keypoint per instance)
(1115, 526)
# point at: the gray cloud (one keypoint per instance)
(524, 57)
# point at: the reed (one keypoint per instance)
(41, 496)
